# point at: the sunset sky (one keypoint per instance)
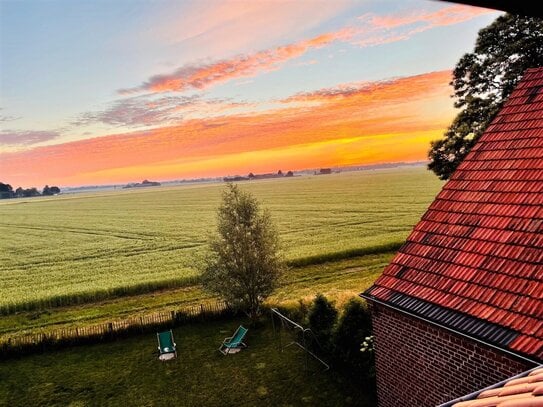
(102, 92)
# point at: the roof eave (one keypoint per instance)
(371, 298)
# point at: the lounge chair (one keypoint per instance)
(166, 345)
(234, 342)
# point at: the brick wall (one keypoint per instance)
(419, 364)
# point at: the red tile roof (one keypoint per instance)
(478, 250)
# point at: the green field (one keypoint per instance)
(85, 247)
(128, 373)
(339, 280)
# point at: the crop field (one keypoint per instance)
(339, 280)
(84, 247)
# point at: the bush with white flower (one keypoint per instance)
(367, 345)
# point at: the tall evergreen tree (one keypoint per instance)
(322, 319)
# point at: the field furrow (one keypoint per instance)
(77, 248)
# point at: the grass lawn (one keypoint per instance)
(127, 373)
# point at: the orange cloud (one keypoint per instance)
(375, 30)
(381, 90)
(398, 111)
(205, 75)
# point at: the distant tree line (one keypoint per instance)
(252, 176)
(6, 191)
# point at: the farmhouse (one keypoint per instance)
(460, 306)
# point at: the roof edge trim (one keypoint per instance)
(368, 297)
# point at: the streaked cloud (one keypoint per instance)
(6, 118)
(375, 93)
(22, 138)
(201, 76)
(307, 63)
(372, 29)
(449, 15)
(147, 111)
(225, 28)
(383, 29)
(139, 111)
(398, 111)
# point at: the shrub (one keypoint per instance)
(354, 327)
(321, 319)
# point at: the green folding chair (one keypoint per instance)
(166, 345)
(234, 342)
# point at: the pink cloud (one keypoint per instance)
(149, 110)
(201, 76)
(228, 28)
(375, 30)
(383, 29)
(445, 16)
(26, 137)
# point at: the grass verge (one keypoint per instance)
(339, 280)
(345, 254)
(96, 296)
(147, 287)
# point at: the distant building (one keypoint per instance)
(460, 306)
(324, 171)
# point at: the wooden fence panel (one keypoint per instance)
(94, 333)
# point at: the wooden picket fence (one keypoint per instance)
(40, 341)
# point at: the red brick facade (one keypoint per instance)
(419, 364)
